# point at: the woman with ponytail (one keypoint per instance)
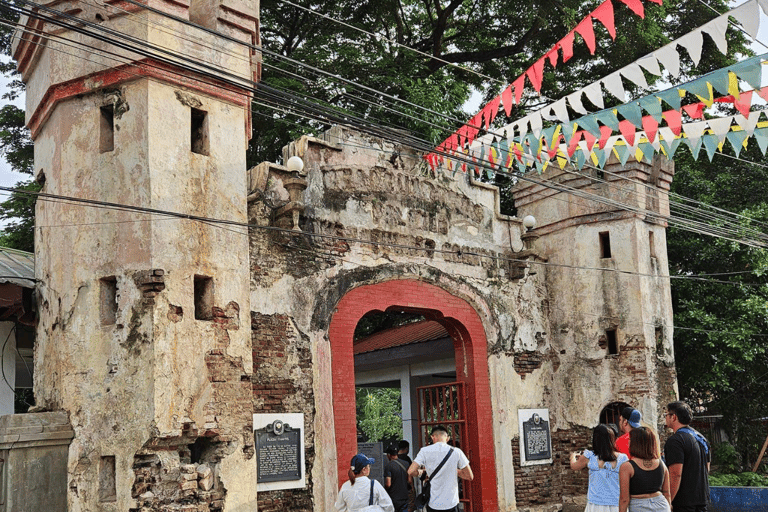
(361, 493)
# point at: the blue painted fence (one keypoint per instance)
(738, 499)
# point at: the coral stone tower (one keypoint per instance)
(144, 329)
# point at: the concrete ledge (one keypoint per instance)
(738, 499)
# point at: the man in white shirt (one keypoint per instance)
(445, 485)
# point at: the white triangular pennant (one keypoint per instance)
(692, 42)
(763, 5)
(595, 94)
(694, 131)
(536, 124)
(669, 58)
(614, 85)
(548, 113)
(720, 126)
(748, 15)
(748, 123)
(574, 100)
(610, 143)
(666, 134)
(522, 128)
(650, 64)
(561, 110)
(716, 30)
(634, 74)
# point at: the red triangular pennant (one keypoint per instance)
(695, 110)
(574, 142)
(674, 120)
(519, 85)
(763, 93)
(566, 44)
(627, 129)
(506, 99)
(744, 103)
(604, 14)
(492, 110)
(651, 126)
(552, 54)
(636, 6)
(587, 31)
(605, 134)
(535, 74)
(591, 139)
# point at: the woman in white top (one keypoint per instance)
(361, 493)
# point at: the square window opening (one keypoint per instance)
(605, 244)
(106, 129)
(199, 132)
(613, 345)
(108, 299)
(203, 298)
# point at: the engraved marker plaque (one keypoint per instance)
(278, 452)
(535, 436)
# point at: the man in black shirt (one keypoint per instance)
(396, 480)
(402, 451)
(687, 455)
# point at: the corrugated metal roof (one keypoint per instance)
(17, 267)
(417, 332)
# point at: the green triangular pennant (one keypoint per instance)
(695, 147)
(590, 124)
(761, 136)
(648, 151)
(628, 152)
(719, 80)
(671, 98)
(737, 141)
(750, 71)
(671, 147)
(620, 152)
(608, 118)
(632, 113)
(547, 133)
(567, 130)
(710, 144)
(580, 158)
(521, 165)
(601, 155)
(652, 105)
(503, 152)
(698, 87)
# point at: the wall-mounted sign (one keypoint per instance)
(535, 436)
(279, 441)
(374, 451)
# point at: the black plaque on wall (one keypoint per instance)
(278, 453)
(536, 438)
(374, 451)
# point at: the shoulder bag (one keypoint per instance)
(423, 498)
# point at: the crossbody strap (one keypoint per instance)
(448, 456)
(370, 500)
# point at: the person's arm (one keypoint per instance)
(387, 482)
(465, 473)
(665, 486)
(413, 470)
(625, 473)
(675, 474)
(578, 462)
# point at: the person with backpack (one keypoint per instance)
(688, 456)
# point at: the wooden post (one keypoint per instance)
(760, 457)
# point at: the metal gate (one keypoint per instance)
(445, 404)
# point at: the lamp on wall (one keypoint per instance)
(295, 185)
(529, 237)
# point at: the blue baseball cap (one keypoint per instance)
(635, 418)
(359, 462)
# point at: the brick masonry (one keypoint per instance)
(282, 383)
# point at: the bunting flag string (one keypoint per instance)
(513, 93)
(724, 81)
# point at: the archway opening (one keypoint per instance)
(465, 347)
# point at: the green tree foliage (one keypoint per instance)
(378, 414)
(721, 347)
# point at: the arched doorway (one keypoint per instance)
(470, 345)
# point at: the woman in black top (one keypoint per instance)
(644, 480)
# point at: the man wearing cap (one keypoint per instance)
(445, 485)
(396, 479)
(687, 455)
(630, 418)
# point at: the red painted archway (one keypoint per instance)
(465, 327)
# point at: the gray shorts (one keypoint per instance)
(655, 504)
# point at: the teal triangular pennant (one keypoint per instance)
(590, 124)
(698, 87)
(671, 147)
(648, 151)
(521, 165)
(652, 105)
(491, 174)
(547, 133)
(695, 147)
(621, 151)
(567, 130)
(539, 166)
(710, 144)
(481, 157)
(503, 152)
(534, 143)
(608, 118)
(761, 136)
(602, 156)
(671, 98)
(627, 153)
(737, 141)
(632, 113)
(580, 158)
(750, 71)
(719, 80)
